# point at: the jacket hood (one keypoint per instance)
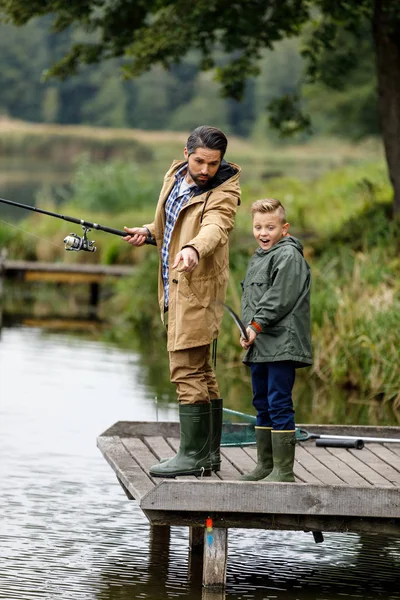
(285, 241)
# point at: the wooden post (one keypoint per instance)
(215, 558)
(195, 560)
(159, 540)
(93, 298)
(213, 594)
(196, 540)
(3, 257)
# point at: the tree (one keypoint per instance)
(149, 32)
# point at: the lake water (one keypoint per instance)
(67, 529)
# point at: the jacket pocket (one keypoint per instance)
(198, 294)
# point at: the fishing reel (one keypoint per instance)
(76, 243)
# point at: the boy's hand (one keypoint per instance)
(251, 334)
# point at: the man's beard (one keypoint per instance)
(200, 183)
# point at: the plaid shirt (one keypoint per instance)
(173, 206)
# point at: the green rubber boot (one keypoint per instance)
(264, 464)
(283, 444)
(216, 432)
(193, 456)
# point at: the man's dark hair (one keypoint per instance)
(207, 137)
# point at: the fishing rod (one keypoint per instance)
(74, 242)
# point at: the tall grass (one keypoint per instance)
(356, 324)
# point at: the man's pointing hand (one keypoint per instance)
(186, 260)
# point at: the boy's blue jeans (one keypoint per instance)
(272, 384)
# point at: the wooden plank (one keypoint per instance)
(370, 457)
(382, 526)
(228, 471)
(128, 471)
(351, 459)
(140, 452)
(61, 323)
(262, 497)
(388, 457)
(125, 429)
(341, 469)
(215, 558)
(238, 458)
(395, 448)
(171, 429)
(53, 267)
(159, 446)
(301, 474)
(315, 467)
(72, 278)
(251, 451)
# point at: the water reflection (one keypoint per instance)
(67, 529)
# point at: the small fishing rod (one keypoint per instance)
(73, 241)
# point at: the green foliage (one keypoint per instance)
(232, 42)
(287, 116)
(343, 77)
(135, 306)
(356, 323)
(371, 227)
(112, 188)
(321, 207)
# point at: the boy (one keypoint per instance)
(276, 306)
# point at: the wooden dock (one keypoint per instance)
(336, 489)
(62, 273)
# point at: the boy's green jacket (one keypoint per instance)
(276, 295)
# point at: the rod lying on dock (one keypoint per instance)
(73, 241)
(303, 435)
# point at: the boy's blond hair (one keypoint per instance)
(269, 205)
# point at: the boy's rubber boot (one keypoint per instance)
(265, 463)
(283, 445)
(193, 456)
(216, 432)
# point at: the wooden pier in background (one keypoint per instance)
(336, 489)
(52, 272)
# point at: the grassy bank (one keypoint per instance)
(154, 150)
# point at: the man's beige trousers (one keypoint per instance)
(192, 372)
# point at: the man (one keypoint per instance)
(194, 216)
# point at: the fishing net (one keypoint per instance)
(234, 431)
(238, 429)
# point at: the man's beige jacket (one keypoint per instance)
(195, 299)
